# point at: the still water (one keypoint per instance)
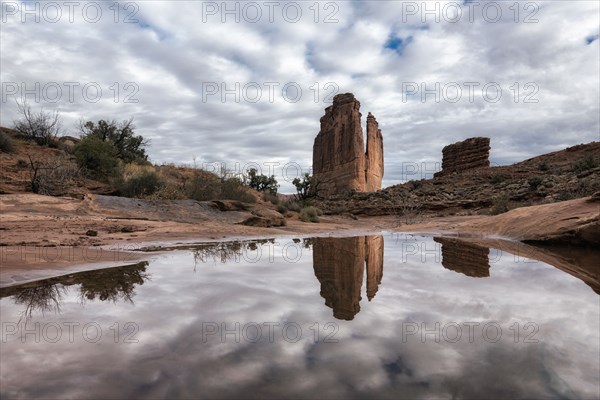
(389, 316)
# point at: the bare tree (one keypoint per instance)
(43, 126)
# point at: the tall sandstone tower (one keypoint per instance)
(340, 163)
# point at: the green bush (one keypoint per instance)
(584, 164)
(281, 209)
(272, 197)
(141, 185)
(500, 205)
(535, 182)
(309, 214)
(543, 167)
(205, 187)
(497, 178)
(416, 184)
(97, 157)
(6, 143)
(292, 205)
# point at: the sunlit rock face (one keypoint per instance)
(465, 258)
(340, 163)
(466, 155)
(339, 265)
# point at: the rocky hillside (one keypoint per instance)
(562, 175)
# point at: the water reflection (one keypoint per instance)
(111, 284)
(466, 258)
(339, 265)
(177, 356)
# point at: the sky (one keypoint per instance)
(243, 84)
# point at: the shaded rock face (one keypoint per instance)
(340, 163)
(462, 156)
(466, 258)
(339, 265)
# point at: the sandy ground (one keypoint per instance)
(42, 236)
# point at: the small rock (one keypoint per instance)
(91, 232)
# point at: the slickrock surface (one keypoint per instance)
(468, 154)
(340, 164)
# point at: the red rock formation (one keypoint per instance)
(461, 156)
(374, 156)
(339, 160)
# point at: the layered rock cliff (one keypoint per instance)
(340, 163)
(462, 156)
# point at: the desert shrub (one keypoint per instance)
(543, 166)
(496, 179)
(54, 177)
(415, 184)
(22, 164)
(271, 197)
(128, 146)
(43, 126)
(205, 187)
(500, 205)
(305, 186)
(584, 164)
(142, 185)
(97, 157)
(262, 183)
(535, 182)
(6, 143)
(282, 210)
(233, 189)
(309, 214)
(292, 205)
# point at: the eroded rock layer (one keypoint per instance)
(462, 156)
(340, 164)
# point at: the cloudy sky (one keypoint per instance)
(246, 82)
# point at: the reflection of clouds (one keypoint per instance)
(370, 359)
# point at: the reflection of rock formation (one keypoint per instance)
(466, 258)
(468, 154)
(339, 265)
(374, 250)
(339, 160)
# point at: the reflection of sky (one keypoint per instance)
(370, 358)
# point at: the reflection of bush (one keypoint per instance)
(113, 283)
(226, 251)
(105, 284)
(42, 298)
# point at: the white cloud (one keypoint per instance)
(176, 47)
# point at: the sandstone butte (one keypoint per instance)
(340, 162)
(462, 156)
